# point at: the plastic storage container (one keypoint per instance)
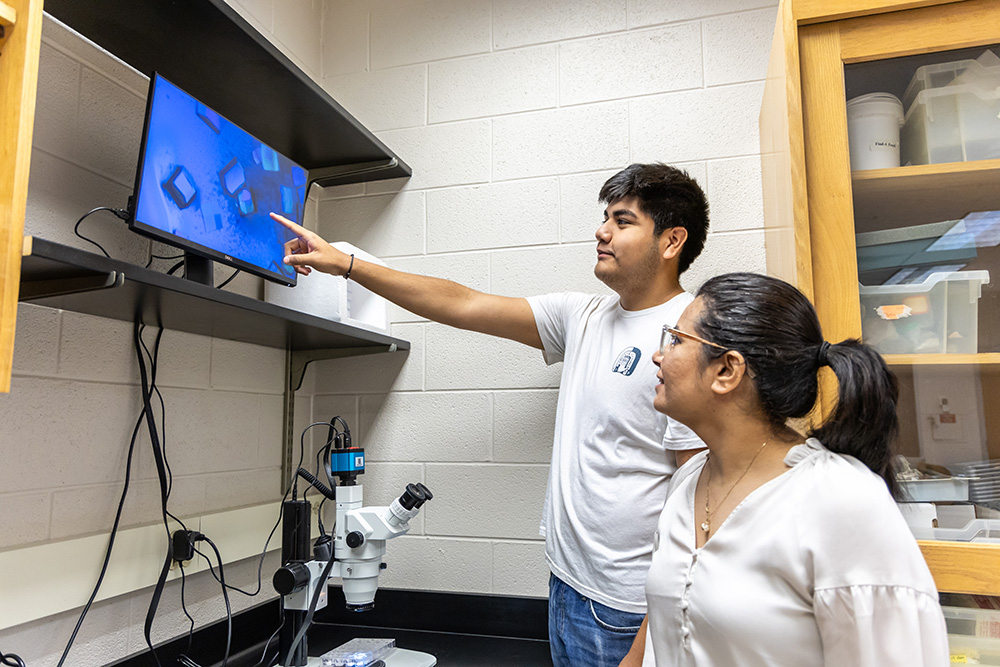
(873, 122)
(973, 635)
(938, 315)
(953, 112)
(333, 298)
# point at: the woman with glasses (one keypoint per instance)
(774, 547)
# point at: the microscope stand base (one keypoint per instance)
(400, 657)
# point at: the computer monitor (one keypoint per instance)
(207, 186)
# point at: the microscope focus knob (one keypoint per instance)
(290, 578)
(355, 539)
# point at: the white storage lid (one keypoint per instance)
(981, 277)
(875, 104)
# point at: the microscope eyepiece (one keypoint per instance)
(412, 497)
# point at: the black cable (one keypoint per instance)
(174, 268)
(225, 596)
(312, 610)
(152, 257)
(14, 660)
(111, 539)
(119, 212)
(228, 280)
(190, 618)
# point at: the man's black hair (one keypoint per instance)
(670, 197)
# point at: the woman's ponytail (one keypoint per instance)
(864, 423)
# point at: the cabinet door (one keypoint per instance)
(865, 229)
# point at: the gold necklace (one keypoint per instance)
(707, 523)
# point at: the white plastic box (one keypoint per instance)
(333, 298)
(935, 316)
(953, 112)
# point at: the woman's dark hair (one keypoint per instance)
(670, 197)
(775, 328)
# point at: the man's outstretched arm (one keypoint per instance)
(436, 299)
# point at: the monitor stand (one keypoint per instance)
(199, 269)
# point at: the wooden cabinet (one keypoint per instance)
(20, 36)
(823, 54)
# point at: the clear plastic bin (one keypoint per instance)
(973, 634)
(938, 315)
(985, 71)
(952, 112)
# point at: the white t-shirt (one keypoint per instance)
(610, 464)
(815, 567)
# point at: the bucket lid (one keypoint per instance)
(875, 104)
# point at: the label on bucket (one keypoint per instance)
(883, 145)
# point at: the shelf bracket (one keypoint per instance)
(296, 363)
(39, 289)
(327, 175)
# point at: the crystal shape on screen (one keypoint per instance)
(232, 177)
(180, 186)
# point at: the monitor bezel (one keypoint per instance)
(187, 245)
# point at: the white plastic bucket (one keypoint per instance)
(873, 122)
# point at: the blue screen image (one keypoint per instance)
(211, 185)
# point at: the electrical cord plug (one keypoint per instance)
(183, 544)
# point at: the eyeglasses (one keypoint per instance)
(672, 335)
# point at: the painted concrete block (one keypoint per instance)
(712, 123)
(499, 215)
(66, 410)
(520, 22)
(36, 340)
(385, 99)
(383, 225)
(25, 518)
(372, 373)
(579, 210)
(325, 408)
(735, 194)
(500, 501)
(650, 12)
(297, 27)
(110, 126)
(244, 488)
(244, 367)
(469, 269)
(458, 359)
(631, 64)
(724, 253)
(737, 46)
(440, 155)
(345, 37)
(498, 83)
(270, 429)
(519, 569)
(545, 143)
(185, 360)
(523, 425)
(97, 348)
(437, 564)
(416, 31)
(529, 271)
(56, 101)
(446, 426)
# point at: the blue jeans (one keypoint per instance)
(584, 633)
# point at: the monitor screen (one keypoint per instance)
(208, 186)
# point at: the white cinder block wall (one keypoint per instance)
(65, 426)
(512, 114)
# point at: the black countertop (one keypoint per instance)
(459, 630)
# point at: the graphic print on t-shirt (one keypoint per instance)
(627, 361)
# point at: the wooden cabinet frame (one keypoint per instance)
(21, 24)
(808, 191)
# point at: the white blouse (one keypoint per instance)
(815, 567)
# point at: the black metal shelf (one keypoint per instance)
(210, 51)
(68, 278)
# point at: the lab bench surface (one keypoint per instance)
(459, 630)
